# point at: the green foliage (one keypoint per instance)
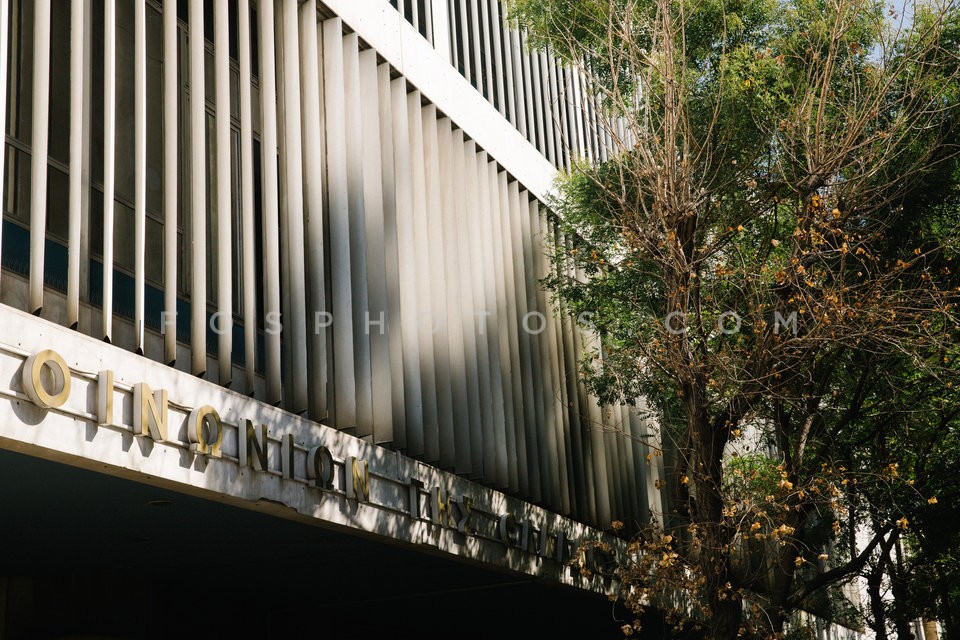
(785, 159)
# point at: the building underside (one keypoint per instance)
(88, 555)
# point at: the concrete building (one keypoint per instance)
(274, 354)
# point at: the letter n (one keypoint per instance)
(253, 441)
(149, 412)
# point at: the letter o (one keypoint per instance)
(204, 419)
(217, 326)
(540, 317)
(506, 527)
(33, 379)
(320, 466)
(721, 322)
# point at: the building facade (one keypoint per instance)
(285, 257)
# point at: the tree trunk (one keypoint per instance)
(947, 618)
(782, 585)
(785, 561)
(898, 585)
(727, 616)
(874, 586)
(726, 610)
(715, 536)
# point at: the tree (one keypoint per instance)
(768, 254)
(918, 444)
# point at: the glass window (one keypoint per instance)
(16, 187)
(423, 7)
(236, 235)
(254, 43)
(59, 131)
(20, 72)
(125, 156)
(17, 167)
(17, 176)
(258, 235)
(96, 95)
(154, 111)
(58, 207)
(211, 213)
